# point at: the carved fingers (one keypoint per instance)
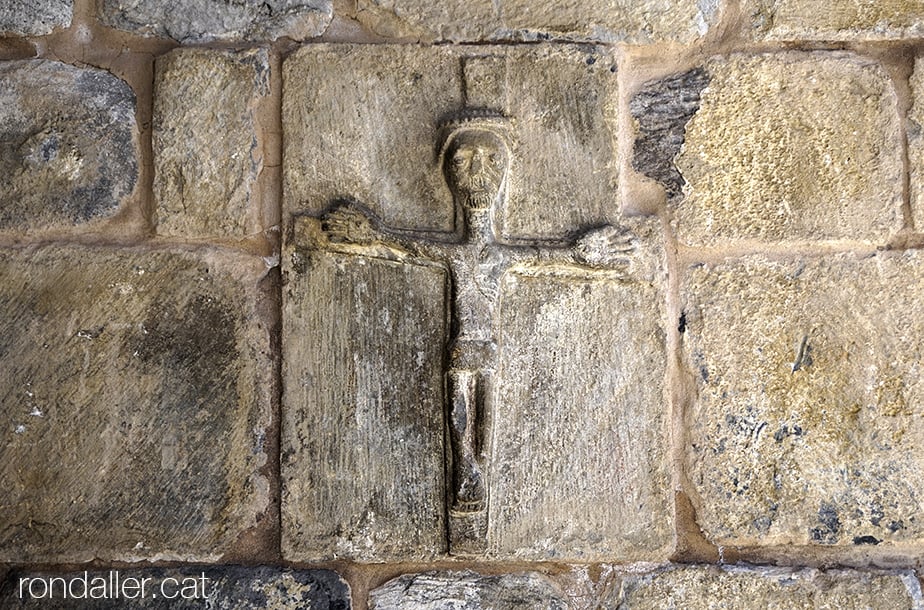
(606, 246)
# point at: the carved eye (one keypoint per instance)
(496, 158)
(458, 160)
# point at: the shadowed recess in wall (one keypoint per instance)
(663, 109)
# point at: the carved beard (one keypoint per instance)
(479, 191)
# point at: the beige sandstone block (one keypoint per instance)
(791, 147)
(807, 427)
(363, 405)
(367, 123)
(135, 404)
(579, 463)
(636, 21)
(207, 155)
(847, 20)
(733, 588)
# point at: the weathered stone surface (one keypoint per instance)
(807, 428)
(915, 126)
(68, 149)
(205, 20)
(579, 465)
(363, 424)
(467, 591)
(135, 404)
(34, 17)
(639, 21)
(790, 147)
(370, 123)
(218, 588)
(662, 110)
(847, 20)
(733, 588)
(207, 158)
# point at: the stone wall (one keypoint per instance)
(385, 304)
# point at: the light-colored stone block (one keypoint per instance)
(207, 154)
(135, 404)
(807, 427)
(35, 17)
(835, 20)
(733, 588)
(68, 148)
(207, 20)
(579, 463)
(468, 591)
(915, 126)
(791, 147)
(637, 21)
(363, 405)
(369, 124)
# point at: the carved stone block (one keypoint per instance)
(68, 149)
(207, 20)
(207, 153)
(790, 147)
(846, 20)
(188, 588)
(807, 425)
(363, 406)
(35, 17)
(135, 405)
(705, 588)
(640, 21)
(368, 124)
(579, 458)
(468, 591)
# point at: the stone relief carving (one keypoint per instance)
(474, 158)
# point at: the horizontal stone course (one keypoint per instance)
(136, 408)
(638, 21)
(216, 20)
(742, 588)
(834, 20)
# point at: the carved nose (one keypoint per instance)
(476, 164)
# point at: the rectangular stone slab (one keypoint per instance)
(134, 406)
(807, 426)
(366, 123)
(363, 407)
(579, 459)
(208, 156)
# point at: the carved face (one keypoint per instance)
(475, 166)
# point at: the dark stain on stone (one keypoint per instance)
(663, 109)
(198, 344)
(682, 323)
(896, 525)
(866, 540)
(829, 525)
